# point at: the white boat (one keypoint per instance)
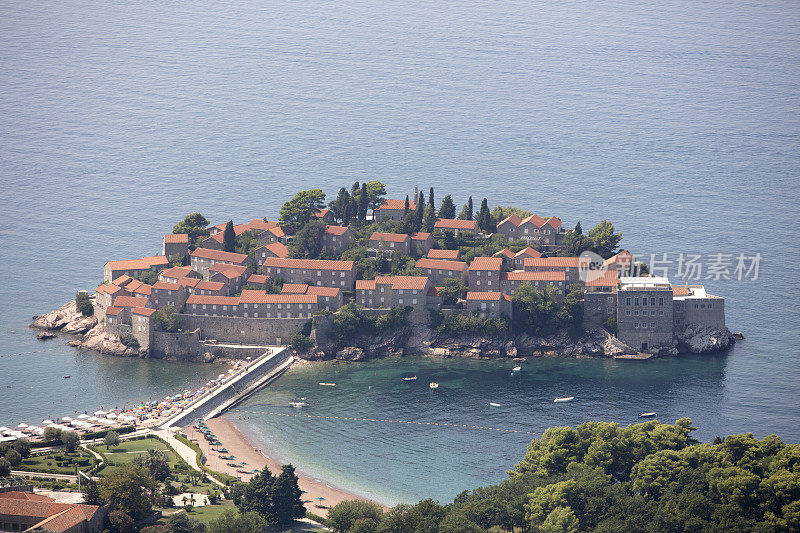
(327, 384)
(412, 378)
(298, 403)
(434, 385)
(564, 399)
(647, 415)
(516, 369)
(494, 404)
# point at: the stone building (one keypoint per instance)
(212, 305)
(260, 304)
(510, 281)
(234, 276)
(386, 244)
(175, 245)
(328, 298)
(274, 249)
(203, 258)
(165, 293)
(393, 291)
(28, 511)
(141, 326)
(173, 274)
(600, 298)
(489, 304)
(444, 255)
(316, 271)
(645, 313)
(484, 274)
(458, 227)
(336, 239)
(421, 242)
(133, 267)
(694, 306)
(209, 288)
(534, 229)
(569, 265)
(392, 210)
(439, 270)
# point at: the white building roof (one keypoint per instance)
(644, 283)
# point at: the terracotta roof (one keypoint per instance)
(389, 237)
(419, 236)
(554, 222)
(505, 252)
(397, 204)
(433, 291)
(32, 508)
(219, 255)
(257, 278)
(316, 290)
(176, 272)
(108, 288)
(309, 264)
(259, 224)
(494, 296)
(486, 263)
(451, 223)
(441, 264)
(678, 290)
(229, 271)
(129, 301)
(138, 264)
(21, 495)
(623, 257)
(610, 278)
(212, 299)
(519, 275)
(113, 311)
(238, 229)
(209, 285)
(140, 289)
(279, 249)
(536, 220)
(528, 251)
(294, 288)
(322, 212)
(261, 297)
(69, 518)
(442, 254)
(189, 282)
(166, 286)
(144, 311)
(403, 282)
(365, 284)
(552, 262)
(513, 219)
(336, 230)
(122, 280)
(176, 238)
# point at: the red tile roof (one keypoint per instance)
(529, 252)
(365, 284)
(316, 290)
(144, 311)
(623, 257)
(122, 280)
(486, 263)
(176, 272)
(108, 289)
(142, 289)
(219, 255)
(397, 204)
(129, 301)
(189, 282)
(257, 278)
(138, 264)
(261, 297)
(294, 288)
(238, 229)
(681, 290)
(554, 222)
(21, 495)
(176, 238)
(450, 223)
(492, 296)
(441, 264)
(212, 299)
(113, 311)
(536, 220)
(519, 275)
(419, 236)
(279, 249)
(389, 237)
(336, 230)
(209, 285)
(259, 224)
(610, 278)
(505, 252)
(512, 219)
(277, 231)
(309, 264)
(552, 262)
(166, 286)
(443, 254)
(403, 282)
(46, 509)
(322, 212)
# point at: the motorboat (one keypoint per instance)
(564, 399)
(434, 385)
(651, 414)
(495, 404)
(324, 384)
(412, 378)
(516, 369)
(299, 403)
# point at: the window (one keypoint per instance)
(478, 282)
(255, 315)
(661, 301)
(652, 301)
(627, 313)
(652, 325)
(636, 324)
(702, 306)
(636, 313)
(610, 299)
(637, 301)
(710, 304)
(660, 312)
(644, 324)
(696, 306)
(644, 301)
(627, 301)
(414, 301)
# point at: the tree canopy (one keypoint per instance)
(229, 238)
(299, 210)
(448, 208)
(166, 319)
(278, 500)
(129, 488)
(307, 243)
(195, 225)
(604, 240)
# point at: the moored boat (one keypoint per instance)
(324, 384)
(411, 378)
(434, 385)
(647, 415)
(564, 399)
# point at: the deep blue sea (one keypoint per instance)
(678, 120)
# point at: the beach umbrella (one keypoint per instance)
(111, 415)
(22, 425)
(66, 419)
(47, 422)
(83, 416)
(99, 413)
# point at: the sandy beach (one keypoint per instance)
(236, 443)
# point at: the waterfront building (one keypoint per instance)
(392, 291)
(175, 245)
(694, 306)
(316, 271)
(489, 304)
(534, 229)
(645, 313)
(600, 298)
(569, 265)
(458, 227)
(141, 326)
(212, 305)
(133, 267)
(165, 293)
(260, 304)
(328, 298)
(392, 210)
(104, 297)
(510, 281)
(484, 273)
(439, 270)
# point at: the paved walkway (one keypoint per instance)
(186, 453)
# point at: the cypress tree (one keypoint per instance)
(578, 229)
(363, 202)
(484, 216)
(287, 498)
(448, 209)
(229, 238)
(420, 212)
(430, 199)
(405, 207)
(470, 209)
(429, 219)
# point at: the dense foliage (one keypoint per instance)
(298, 211)
(544, 312)
(648, 477)
(84, 304)
(166, 319)
(130, 489)
(196, 226)
(456, 324)
(276, 499)
(351, 321)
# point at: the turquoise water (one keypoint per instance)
(679, 121)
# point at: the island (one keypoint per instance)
(366, 276)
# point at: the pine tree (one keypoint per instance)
(448, 209)
(229, 238)
(91, 494)
(287, 497)
(257, 496)
(578, 229)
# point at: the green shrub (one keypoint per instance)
(84, 303)
(129, 340)
(465, 324)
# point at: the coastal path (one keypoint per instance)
(186, 453)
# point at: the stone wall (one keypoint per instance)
(240, 330)
(185, 345)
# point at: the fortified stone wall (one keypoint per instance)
(184, 345)
(240, 330)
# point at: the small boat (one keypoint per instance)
(516, 369)
(412, 378)
(494, 404)
(647, 415)
(434, 385)
(66, 377)
(299, 403)
(324, 384)
(564, 399)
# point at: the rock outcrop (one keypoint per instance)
(98, 339)
(703, 339)
(66, 319)
(560, 345)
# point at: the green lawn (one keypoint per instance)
(50, 464)
(207, 513)
(129, 450)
